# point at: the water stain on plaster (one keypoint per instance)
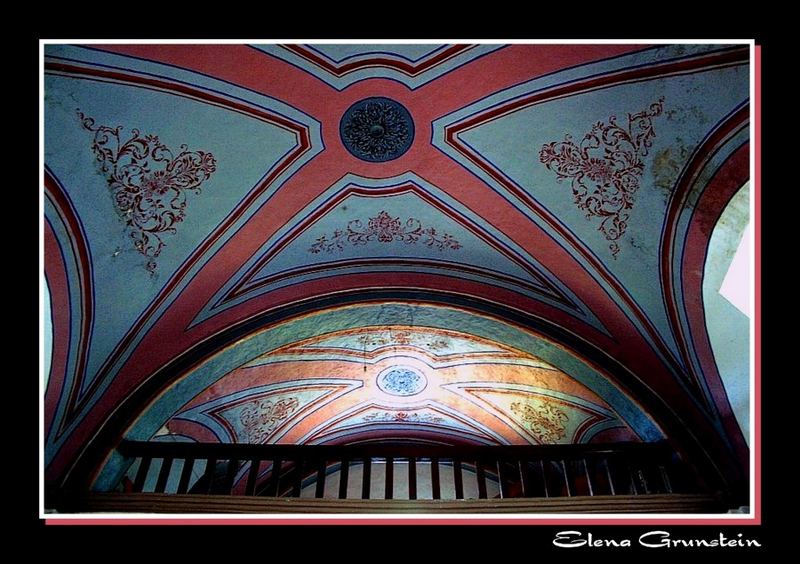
(667, 166)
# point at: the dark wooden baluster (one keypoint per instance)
(298, 478)
(627, 471)
(233, 467)
(344, 478)
(588, 477)
(163, 475)
(610, 477)
(458, 479)
(211, 467)
(252, 477)
(500, 479)
(566, 478)
(186, 475)
(141, 475)
(642, 473)
(412, 478)
(481, 476)
(665, 479)
(435, 482)
(544, 478)
(321, 468)
(366, 479)
(631, 474)
(273, 489)
(389, 489)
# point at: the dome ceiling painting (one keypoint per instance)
(399, 377)
(450, 244)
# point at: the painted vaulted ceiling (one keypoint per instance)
(456, 244)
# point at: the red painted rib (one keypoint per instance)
(678, 197)
(80, 250)
(410, 69)
(730, 177)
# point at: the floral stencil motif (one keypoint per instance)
(546, 423)
(402, 417)
(401, 338)
(148, 182)
(437, 344)
(605, 168)
(384, 229)
(372, 340)
(261, 418)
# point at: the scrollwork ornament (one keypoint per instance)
(384, 228)
(546, 422)
(148, 182)
(604, 168)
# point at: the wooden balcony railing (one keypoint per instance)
(166, 477)
(406, 472)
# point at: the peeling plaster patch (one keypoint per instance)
(691, 115)
(669, 162)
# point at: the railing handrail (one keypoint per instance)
(156, 449)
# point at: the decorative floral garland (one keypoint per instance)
(384, 229)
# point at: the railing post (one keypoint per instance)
(544, 478)
(412, 477)
(610, 477)
(321, 469)
(480, 474)
(588, 478)
(566, 478)
(230, 476)
(665, 478)
(389, 488)
(186, 475)
(298, 477)
(344, 478)
(163, 475)
(273, 487)
(435, 483)
(252, 477)
(458, 479)
(211, 467)
(635, 490)
(499, 465)
(366, 478)
(523, 482)
(141, 475)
